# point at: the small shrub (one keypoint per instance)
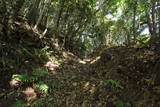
(144, 40)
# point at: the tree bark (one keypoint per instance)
(134, 20)
(33, 13)
(152, 24)
(60, 13)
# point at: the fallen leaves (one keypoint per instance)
(30, 94)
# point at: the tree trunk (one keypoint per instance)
(128, 39)
(60, 13)
(134, 21)
(154, 40)
(158, 12)
(16, 8)
(33, 13)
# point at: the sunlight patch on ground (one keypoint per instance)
(96, 59)
(82, 62)
(51, 65)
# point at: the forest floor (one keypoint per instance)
(110, 77)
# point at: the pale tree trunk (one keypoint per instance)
(42, 12)
(46, 22)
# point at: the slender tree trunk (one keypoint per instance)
(128, 39)
(152, 24)
(40, 17)
(18, 4)
(33, 13)
(153, 18)
(60, 14)
(134, 20)
(158, 12)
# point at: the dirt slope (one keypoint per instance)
(120, 76)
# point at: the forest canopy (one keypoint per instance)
(82, 25)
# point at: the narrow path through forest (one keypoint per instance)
(116, 77)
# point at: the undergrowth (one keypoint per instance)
(37, 78)
(114, 83)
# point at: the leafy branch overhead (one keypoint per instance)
(82, 25)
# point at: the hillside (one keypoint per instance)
(111, 77)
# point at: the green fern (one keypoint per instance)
(39, 73)
(35, 75)
(114, 83)
(55, 84)
(32, 79)
(21, 77)
(42, 87)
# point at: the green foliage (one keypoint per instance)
(20, 103)
(42, 87)
(45, 54)
(103, 22)
(143, 40)
(35, 77)
(114, 83)
(53, 57)
(20, 77)
(38, 73)
(55, 84)
(122, 104)
(42, 53)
